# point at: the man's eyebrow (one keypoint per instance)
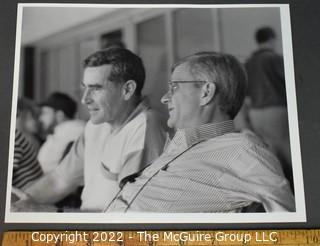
(91, 85)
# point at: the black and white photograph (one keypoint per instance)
(154, 114)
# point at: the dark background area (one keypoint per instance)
(305, 22)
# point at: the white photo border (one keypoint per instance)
(298, 216)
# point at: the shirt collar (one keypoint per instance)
(264, 49)
(142, 106)
(203, 132)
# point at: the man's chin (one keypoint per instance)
(170, 124)
(96, 121)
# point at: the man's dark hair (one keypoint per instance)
(63, 102)
(264, 34)
(226, 72)
(125, 65)
(27, 105)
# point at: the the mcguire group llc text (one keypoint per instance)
(220, 236)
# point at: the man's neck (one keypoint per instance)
(212, 116)
(267, 45)
(124, 115)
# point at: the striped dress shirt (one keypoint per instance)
(210, 168)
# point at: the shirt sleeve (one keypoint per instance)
(54, 148)
(71, 168)
(63, 179)
(278, 67)
(264, 181)
(51, 152)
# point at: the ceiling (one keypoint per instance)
(40, 22)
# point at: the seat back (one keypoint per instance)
(254, 207)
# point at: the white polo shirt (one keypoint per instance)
(100, 159)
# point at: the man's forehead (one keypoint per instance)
(96, 75)
(182, 72)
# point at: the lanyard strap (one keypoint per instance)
(163, 167)
(157, 171)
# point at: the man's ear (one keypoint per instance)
(128, 89)
(207, 93)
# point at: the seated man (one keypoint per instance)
(207, 167)
(122, 135)
(57, 121)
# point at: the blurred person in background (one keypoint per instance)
(26, 168)
(266, 100)
(61, 129)
(27, 121)
(58, 123)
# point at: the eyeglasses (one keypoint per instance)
(173, 84)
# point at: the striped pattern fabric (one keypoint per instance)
(210, 168)
(26, 168)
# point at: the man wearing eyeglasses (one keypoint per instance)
(123, 133)
(207, 166)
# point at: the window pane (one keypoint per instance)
(49, 72)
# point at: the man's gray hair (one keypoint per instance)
(226, 72)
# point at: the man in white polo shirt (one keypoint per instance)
(122, 136)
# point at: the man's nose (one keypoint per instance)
(86, 97)
(165, 98)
